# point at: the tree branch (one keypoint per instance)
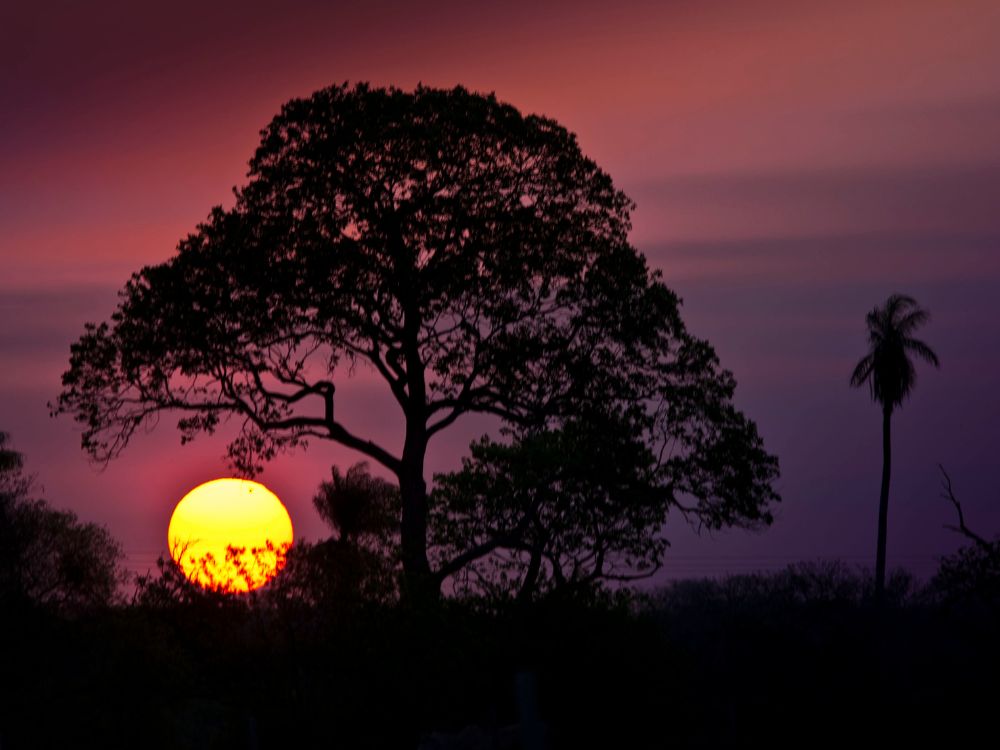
(949, 495)
(501, 539)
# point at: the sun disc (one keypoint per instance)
(230, 535)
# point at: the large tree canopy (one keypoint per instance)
(470, 255)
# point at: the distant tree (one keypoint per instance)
(888, 371)
(360, 508)
(358, 565)
(974, 571)
(361, 562)
(47, 556)
(14, 487)
(13, 482)
(470, 256)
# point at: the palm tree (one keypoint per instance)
(889, 372)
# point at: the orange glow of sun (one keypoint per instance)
(230, 535)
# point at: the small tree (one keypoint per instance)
(470, 256)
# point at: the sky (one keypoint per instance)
(793, 163)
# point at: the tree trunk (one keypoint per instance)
(883, 505)
(530, 582)
(418, 584)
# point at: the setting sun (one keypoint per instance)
(230, 535)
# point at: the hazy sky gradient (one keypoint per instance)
(793, 164)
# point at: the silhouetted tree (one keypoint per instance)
(14, 487)
(568, 508)
(974, 571)
(47, 556)
(471, 256)
(360, 564)
(890, 374)
(362, 509)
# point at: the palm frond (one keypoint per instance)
(887, 368)
(863, 370)
(912, 320)
(922, 350)
(875, 320)
(898, 303)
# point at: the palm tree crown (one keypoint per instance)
(888, 368)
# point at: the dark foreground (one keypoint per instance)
(802, 658)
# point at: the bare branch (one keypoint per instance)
(949, 495)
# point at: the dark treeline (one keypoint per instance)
(329, 654)
(751, 659)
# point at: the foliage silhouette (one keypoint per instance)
(334, 575)
(469, 255)
(357, 567)
(697, 664)
(888, 370)
(971, 576)
(585, 503)
(169, 586)
(242, 569)
(360, 508)
(557, 509)
(48, 558)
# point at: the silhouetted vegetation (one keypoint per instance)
(740, 661)
(239, 570)
(472, 258)
(358, 565)
(888, 371)
(585, 504)
(48, 558)
(328, 655)
(476, 261)
(970, 577)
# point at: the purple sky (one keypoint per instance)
(792, 164)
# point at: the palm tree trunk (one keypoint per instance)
(883, 505)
